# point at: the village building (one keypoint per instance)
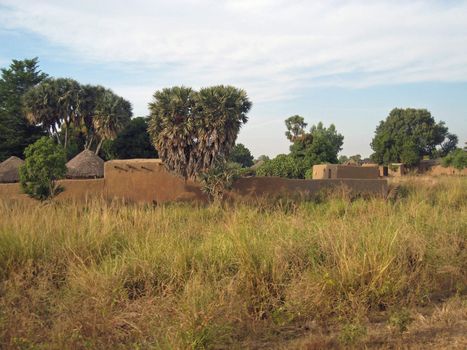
(9, 170)
(338, 171)
(86, 165)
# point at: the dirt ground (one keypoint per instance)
(441, 327)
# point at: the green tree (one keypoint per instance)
(284, 165)
(194, 131)
(15, 131)
(262, 158)
(407, 135)
(132, 142)
(241, 155)
(44, 164)
(295, 127)
(456, 159)
(111, 115)
(66, 108)
(320, 145)
(54, 104)
(355, 159)
(342, 159)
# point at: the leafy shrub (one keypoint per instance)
(400, 320)
(219, 179)
(352, 333)
(283, 166)
(456, 159)
(44, 164)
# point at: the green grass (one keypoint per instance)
(102, 275)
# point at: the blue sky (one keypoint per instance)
(342, 62)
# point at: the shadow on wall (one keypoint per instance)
(146, 180)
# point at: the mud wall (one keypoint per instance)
(81, 189)
(78, 190)
(335, 171)
(357, 172)
(11, 191)
(147, 181)
(440, 170)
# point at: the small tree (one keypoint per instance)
(320, 145)
(218, 179)
(456, 159)
(44, 164)
(342, 159)
(241, 155)
(295, 127)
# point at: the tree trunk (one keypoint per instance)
(88, 143)
(99, 147)
(66, 139)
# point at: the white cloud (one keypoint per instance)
(271, 48)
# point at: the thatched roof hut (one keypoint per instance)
(85, 165)
(9, 169)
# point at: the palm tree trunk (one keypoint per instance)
(99, 147)
(66, 139)
(88, 143)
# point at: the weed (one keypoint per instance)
(352, 333)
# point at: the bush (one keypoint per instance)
(216, 181)
(44, 164)
(283, 166)
(456, 159)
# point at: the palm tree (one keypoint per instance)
(193, 131)
(222, 111)
(53, 104)
(172, 127)
(39, 104)
(111, 115)
(62, 104)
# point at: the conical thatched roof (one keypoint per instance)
(85, 165)
(9, 169)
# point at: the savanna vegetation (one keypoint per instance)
(318, 145)
(408, 135)
(335, 271)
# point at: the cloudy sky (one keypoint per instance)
(342, 62)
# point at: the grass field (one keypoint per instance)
(328, 273)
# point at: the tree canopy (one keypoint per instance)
(63, 106)
(408, 135)
(456, 158)
(355, 159)
(15, 131)
(241, 155)
(283, 165)
(44, 164)
(194, 130)
(132, 142)
(295, 127)
(319, 145)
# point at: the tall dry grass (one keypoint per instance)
(101, 275)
